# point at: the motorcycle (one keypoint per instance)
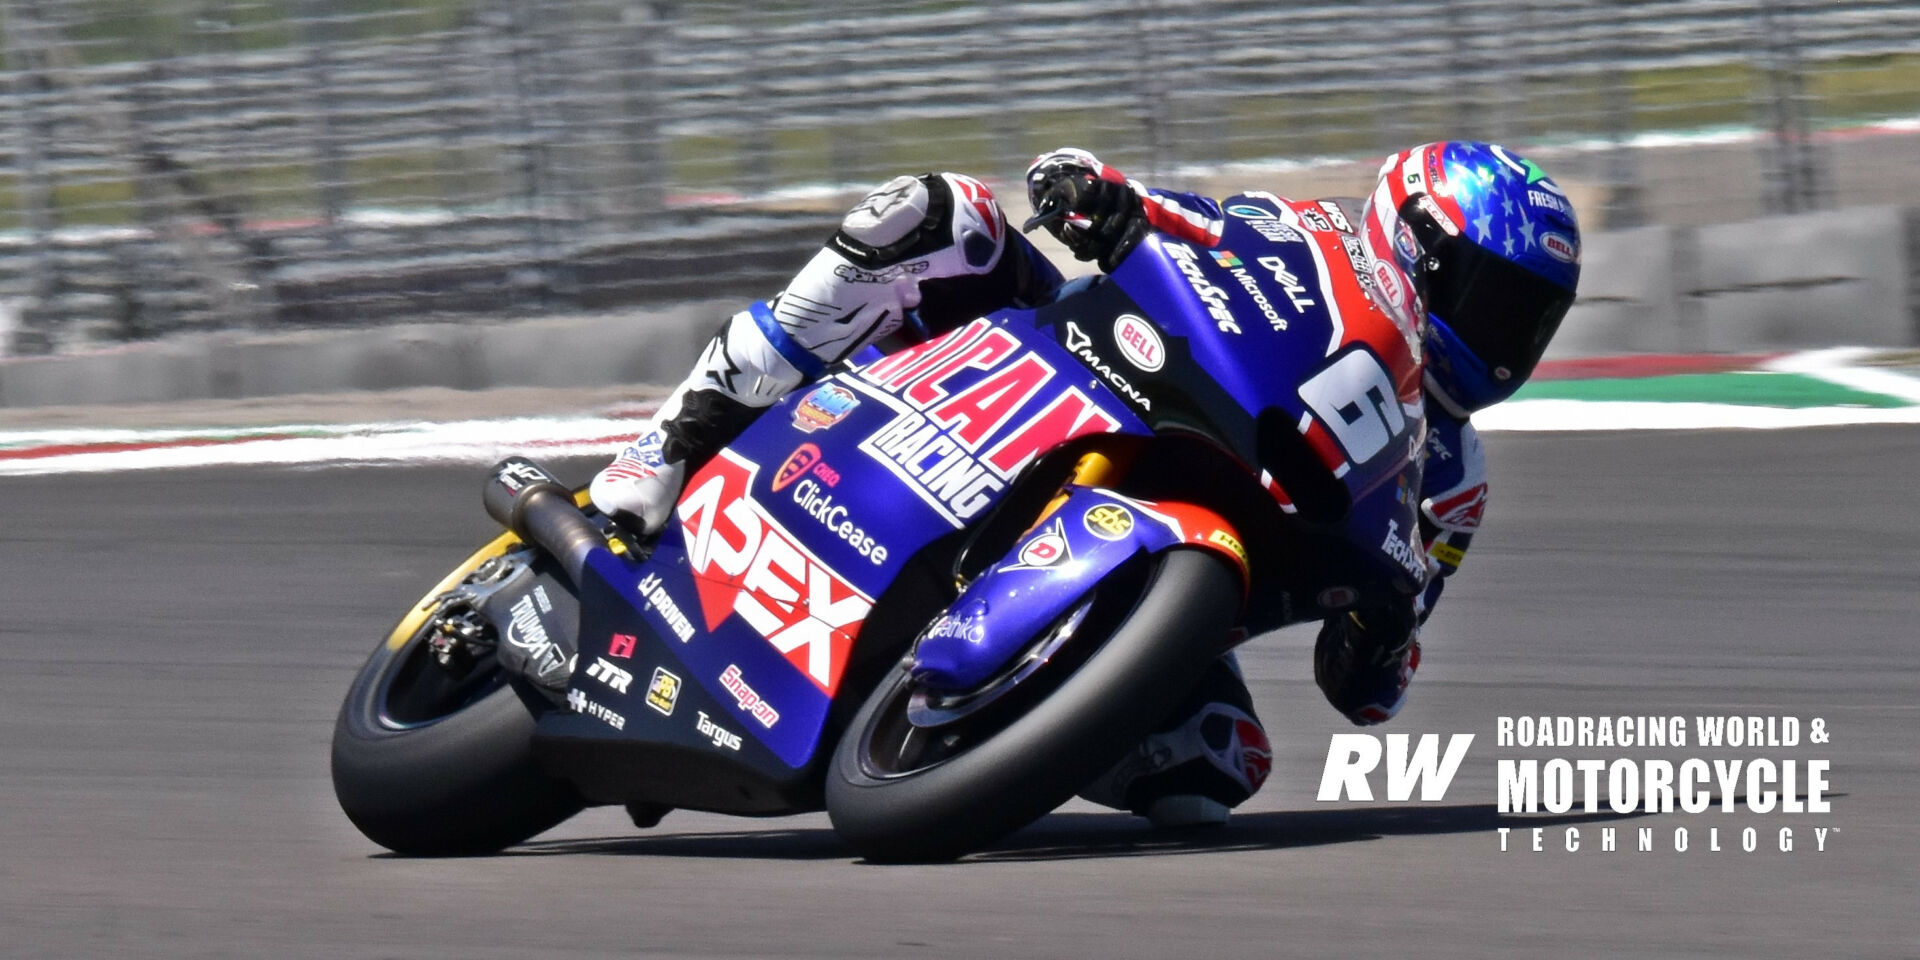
(938, 591)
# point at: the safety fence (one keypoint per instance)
(194, 164)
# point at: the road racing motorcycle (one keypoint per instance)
(936, 592)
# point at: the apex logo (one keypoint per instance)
(744, 562)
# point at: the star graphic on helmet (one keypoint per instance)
(1482, 225)
(1509, 241)
(1526, 230)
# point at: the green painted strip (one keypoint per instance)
(1745, 389)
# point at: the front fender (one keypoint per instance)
(1047, 572)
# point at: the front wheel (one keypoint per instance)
(433, 760)
(902, 792)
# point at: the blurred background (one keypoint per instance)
(263, 165)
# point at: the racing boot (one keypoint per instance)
(1209, 757)
(938, 236)
(1363, 662)
(738, 375)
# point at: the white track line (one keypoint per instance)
(482, 441)
(1839, 366)
(1589, 415)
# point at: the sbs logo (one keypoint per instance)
(1109, 521)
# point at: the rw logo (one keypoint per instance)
(1351, 756)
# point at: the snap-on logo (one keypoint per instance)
(1139, 343)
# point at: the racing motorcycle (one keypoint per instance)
(938, 591)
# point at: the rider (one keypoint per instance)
(1464, 241)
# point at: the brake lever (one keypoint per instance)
(1054, 211)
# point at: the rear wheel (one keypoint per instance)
(901, 791)
(432, 754)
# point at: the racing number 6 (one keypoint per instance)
(1354, 397)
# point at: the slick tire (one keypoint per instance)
(460, 785)
(1038, 760)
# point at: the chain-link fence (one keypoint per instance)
(183, 164)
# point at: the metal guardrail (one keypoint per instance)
(185, 165)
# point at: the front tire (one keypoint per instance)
(429, 765)
(1025, 765)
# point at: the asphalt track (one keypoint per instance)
(173, 647)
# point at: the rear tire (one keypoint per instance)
(1031, 763)
(436, 780)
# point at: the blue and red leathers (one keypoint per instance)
(922, 255)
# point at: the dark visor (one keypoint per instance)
(1503, 312)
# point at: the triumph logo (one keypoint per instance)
(526, 631)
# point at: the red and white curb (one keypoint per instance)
(31, 452)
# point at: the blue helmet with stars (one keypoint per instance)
(1491, 248)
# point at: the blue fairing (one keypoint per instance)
(1284, 348)
(1052, 567)
(736, 635)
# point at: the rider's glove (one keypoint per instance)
(1096, 218)
(1365, 658)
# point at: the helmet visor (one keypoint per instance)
(1503, 312)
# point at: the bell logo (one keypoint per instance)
(744, 562)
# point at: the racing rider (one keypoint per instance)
(1466, 243)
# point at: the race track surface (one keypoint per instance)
(174, 645)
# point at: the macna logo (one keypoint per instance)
(1352, 756)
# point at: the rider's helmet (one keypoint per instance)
(1488, 256)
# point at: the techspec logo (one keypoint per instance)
(744, 562)
(956, 446)
(1211, 296)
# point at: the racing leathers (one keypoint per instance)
(930, 252)
(922, 255)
